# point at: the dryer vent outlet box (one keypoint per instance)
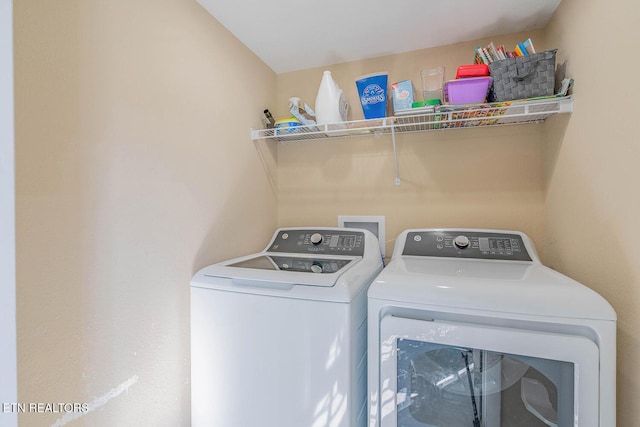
(374, 224)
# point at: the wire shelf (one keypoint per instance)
(442, 118)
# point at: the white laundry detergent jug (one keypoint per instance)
(332, 105)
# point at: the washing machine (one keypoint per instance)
(278, 338)
(468, 328)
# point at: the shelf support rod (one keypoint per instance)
(395, 153)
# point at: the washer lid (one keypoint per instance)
(283, 268)
(488, 285)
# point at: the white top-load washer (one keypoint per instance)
(468, 328)
(278, 338)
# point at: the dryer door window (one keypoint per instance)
(436, 374)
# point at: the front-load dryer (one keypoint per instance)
(278, 338)
(468, 328)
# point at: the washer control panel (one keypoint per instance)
(327, 242)
(305, 265)
(466, 244)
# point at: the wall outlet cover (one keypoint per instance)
(374, 224)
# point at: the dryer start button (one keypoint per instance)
(461, 242)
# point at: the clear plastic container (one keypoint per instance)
(432, 83)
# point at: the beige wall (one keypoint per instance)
(488, 178)
(592, 203)
(134, 169)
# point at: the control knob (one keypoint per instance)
(316, 238)
(461, 242)
(316, 268)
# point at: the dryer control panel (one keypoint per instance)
(326, 242)
(466, 244)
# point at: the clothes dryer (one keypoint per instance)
(278, 338)
(468, 328)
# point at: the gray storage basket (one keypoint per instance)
(523, 76)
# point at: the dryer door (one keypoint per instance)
(437, 374)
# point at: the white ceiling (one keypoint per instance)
(290, 35)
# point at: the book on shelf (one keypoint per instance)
(491, 53)
(528, 45)
(495, 52)
(481, 56)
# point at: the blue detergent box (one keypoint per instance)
(372, 90)
(403, 95)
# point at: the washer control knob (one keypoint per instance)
(316, 238)
(461, 242)
(316, 268)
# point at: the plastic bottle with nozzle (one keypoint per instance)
(331, 103)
